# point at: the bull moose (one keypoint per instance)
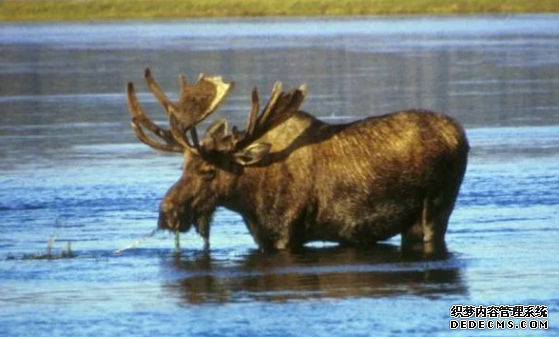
(295, 179)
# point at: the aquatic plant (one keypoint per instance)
(49, 254)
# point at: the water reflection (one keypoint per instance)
(333, 272)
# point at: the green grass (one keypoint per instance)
(74, 10)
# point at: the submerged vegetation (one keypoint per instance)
(73, 10)
(49, 254)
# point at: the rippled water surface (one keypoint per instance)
(70, 166)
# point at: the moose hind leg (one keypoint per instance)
(428, 231)
(413, 237)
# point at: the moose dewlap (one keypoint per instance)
(295, 179)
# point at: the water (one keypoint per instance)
(71, 166)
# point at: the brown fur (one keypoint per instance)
(354, 184)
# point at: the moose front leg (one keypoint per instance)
(202, 226)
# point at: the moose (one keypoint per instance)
(295, 179)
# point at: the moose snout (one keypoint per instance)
(172, 218)
(168, 215)
(165, 221)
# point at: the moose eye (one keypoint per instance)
(207, 173)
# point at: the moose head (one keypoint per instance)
(213, 162)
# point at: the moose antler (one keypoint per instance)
(280, 107)
(196, 102)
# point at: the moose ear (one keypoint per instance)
(252, 154)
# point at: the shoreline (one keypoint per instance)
(104, 10)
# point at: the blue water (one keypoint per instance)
(70, 166)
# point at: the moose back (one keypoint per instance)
(295, 179)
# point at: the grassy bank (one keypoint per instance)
(50, 10)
